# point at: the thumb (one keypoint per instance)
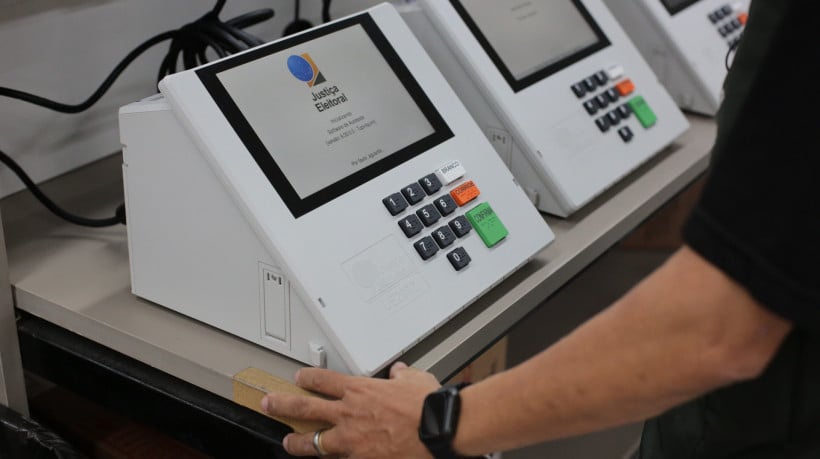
(397, 368)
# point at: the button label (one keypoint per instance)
(465, 193)
(450, 172)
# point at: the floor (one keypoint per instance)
(613, 274)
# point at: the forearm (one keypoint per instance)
(682, 332)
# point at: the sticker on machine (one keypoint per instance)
(502, 141)
(385, 276)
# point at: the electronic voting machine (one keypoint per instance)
(326, 196)
(688, 43)
(557, 87)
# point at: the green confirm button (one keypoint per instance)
(487, 224)
(642, 111)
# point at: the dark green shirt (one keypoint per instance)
(759, 222)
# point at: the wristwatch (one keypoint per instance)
(439, 420)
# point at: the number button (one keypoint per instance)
(613, 118)
(591, 106)
(395, 203)
(459, 258)
(624, 111)
(444, 236)
(626, 133)
(413, 193)
(579, 90)
(430, 183)
(612, 95)
(602, 123)
(428, 215)
(426, 247)
(446, 205)
(589, 84)
(411, 225)
(460, 226)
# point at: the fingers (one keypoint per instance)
(402, 372)
(397, 369)
(302, 444)
(323, 381)
(301, 407)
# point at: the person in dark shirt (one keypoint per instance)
(722, 342)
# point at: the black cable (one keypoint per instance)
(325, 11)
(250, 19)
(218, 7)
(118, 218)
(222, 35)
(97, 95)
(298, 23)
(732, 49)
(191, 42)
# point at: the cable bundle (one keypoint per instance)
(208, 32)
(191, 42)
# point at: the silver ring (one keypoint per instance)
(317, 443)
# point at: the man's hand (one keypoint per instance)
(371, 418)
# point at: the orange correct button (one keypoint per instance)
(743, 17)
(465, 193)
(625, 87)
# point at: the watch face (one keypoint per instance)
(440, 417)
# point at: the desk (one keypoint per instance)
(78, 279)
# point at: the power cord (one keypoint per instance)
(191, 42)
(97, 95)
(325, 11)
(730, 55)
(118, 218)
(298, 24)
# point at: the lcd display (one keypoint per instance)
(529, 40)
(676, 6)
(326, 114)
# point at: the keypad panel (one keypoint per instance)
(729, 21)
(441, 208)
(613, 100)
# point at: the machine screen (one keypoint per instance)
(676, 6)
(529, 40)
(325, 112)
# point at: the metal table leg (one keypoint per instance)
(12, 384)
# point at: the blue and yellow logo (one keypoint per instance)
(304, 69)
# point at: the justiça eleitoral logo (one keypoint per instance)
(304, 69)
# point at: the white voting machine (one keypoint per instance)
(326, 196)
